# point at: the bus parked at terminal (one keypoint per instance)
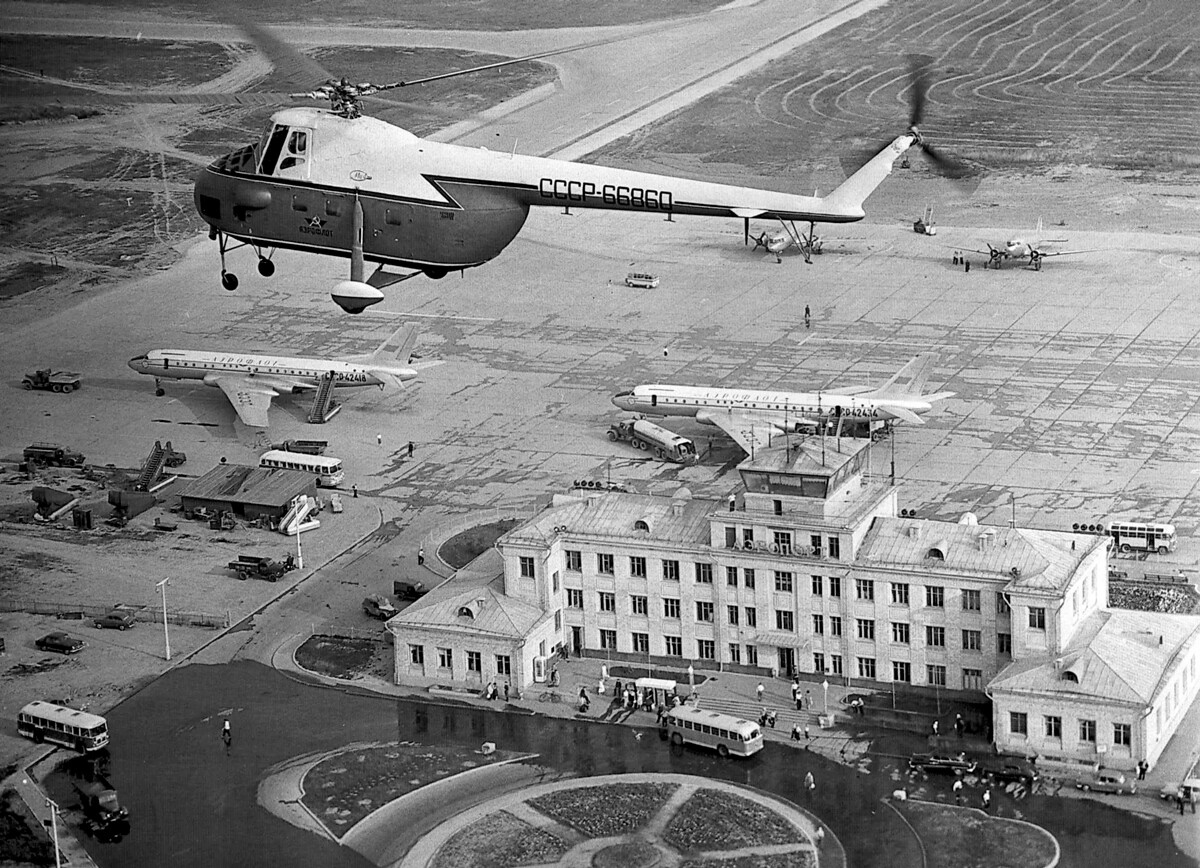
(1144, 537)
(328, 471)
(78, 730)
(724, 733)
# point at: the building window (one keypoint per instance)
(670, 607)
(835, 548)
(818, 586)
(503, 664)
(704, 611)
(819, 625)
(641, 643)
(674, 646)
(751, 655)
(1018, 723)
(704, 574)
(900, 633)
(935, 637)
(935, 674)
(1004, 644)
(574, 598)
(866, 629)
(1053, 726)
(747, 537)
(902, 671)
(416, 654)
(783, 582)
(733, 614)
(474, 661)
(554, 579)
(574, 560)
(751, 617)
(608, 640)
(604, 564)
(935, 596)
(706, 649)
(835, 664)
(972, 640)
(783, 539)
(899, 594)
(1002, 607)
(972, 601)
(835, 626)
(558, 620)
(866, 667)
(639, 605)
(445, 658)
(735, 652)
(731, 576)
(1037, 618)
(785, 620)
(1122, 735)
(835, 586)
(864, 589)
(526, 567)
(670, 571)
(818, 662)
(637, 567)
(814, 542)
(972, 679)
(748, 575)
(1087, 731)
(608, 601)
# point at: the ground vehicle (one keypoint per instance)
(104, 816)
(409, 590)
(117, 619)
(54, 381)
(1008, 768)
(63, 643)
(379, 606)
(1107, 781)
(328, 471)
(309, 447)
(942, 763)
(1147, 536)
(255, 567)
(1190, 787)
(727, 734)
(667, 445)
(52, 454)
(642, 280)
(45, 721)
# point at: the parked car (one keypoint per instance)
(379, 606)
(117, 619)
(63, 643)
(942, 763)
(1190, 788)
(409, 590)
(1008, 768)
(1106, 781)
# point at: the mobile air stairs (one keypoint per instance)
(160, 457)
(324, 407)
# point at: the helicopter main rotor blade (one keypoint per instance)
(292, 65)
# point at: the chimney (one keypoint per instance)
(676, 507)
(914, 531)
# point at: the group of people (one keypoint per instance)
(492, 692)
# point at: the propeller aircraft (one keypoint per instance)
(1019, 248)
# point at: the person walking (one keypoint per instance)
(809, 783)
(807, 317)
(759, 691)
(410, 449)
(1142, 767)
(958, 788)
(987, 799)
(960, 725)
(507, 689)
(795, 732)
(421, 556)
(967, 266)
(227, 737)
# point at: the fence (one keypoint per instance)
(149, 614)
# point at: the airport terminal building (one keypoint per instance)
(811, 570)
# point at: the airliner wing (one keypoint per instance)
(250, 399)
(752, 432)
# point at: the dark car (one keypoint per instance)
(942, 763)
(63, 643)
(116, 619)
(1007, 768)
(409, 590)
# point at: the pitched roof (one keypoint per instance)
(678, 519)
(261, 486)
(1116, 654)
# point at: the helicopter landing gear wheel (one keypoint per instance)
(159, 392)
(229, 280)
(266, 267)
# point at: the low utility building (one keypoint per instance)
(248, 492)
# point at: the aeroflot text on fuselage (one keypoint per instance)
(609, 194)
(752, 401)
(275, 366)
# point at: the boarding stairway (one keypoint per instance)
(153, 466)
(324, 407)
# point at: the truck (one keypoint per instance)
(53, 381)
(666, 445)
(308, 447)
(104, 816)
(255, 567)
(48, 454)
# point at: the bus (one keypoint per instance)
(78, 730)
(1143, 536)
(726, 734)
(328, 471)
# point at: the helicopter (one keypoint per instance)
(336, 181)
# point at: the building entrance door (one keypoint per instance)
(787, 661)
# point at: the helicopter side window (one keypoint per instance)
(297, 150)
(272, 150)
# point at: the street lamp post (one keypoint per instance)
(53, 806)
(825, 702)
(299, 553)
(162, 586)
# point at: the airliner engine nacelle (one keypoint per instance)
(355, 296)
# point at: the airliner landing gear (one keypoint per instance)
(229, 280)
(159, 391)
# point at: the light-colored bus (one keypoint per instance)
(78, 730)
(1143, 536)
(724, 733)
(328, 471)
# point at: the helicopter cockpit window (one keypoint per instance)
(271, 151)
(297, 150)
